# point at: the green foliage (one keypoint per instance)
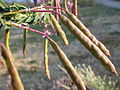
(94, 81)
(2, 4)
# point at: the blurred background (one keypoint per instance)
(102, 17)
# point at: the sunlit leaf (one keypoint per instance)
(20, 6)
(6, 27)
(2, 4)
(30, 19)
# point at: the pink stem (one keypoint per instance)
(33, 30)
(27, 28)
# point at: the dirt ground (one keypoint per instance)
(31, 69)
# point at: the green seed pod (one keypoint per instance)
(88, 44)
(87, 32)
(24, 42)
(6, 41)
(46, 58)
(59, 29)
(68, 66)
(65, 4)
(16, 81)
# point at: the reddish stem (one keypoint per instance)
(32, 10)
(33, 30)
(27, 28)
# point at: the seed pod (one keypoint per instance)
(86, 31)
(68, 66)
(74, 8)
(46, 58)
(24, 42)
(59, 29)
(65, 5)
(88, 44)
(16, 81)
(6, 41)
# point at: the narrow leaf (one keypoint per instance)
(2, 4)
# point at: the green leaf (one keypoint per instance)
(7, 9)
(46, 17)
(19, 16)
(1, 16)
(37, 18)
(1, 25)
(1, 20)
(22, 20)
(6, 27)
(2, 4)
(14, 8)
(20, 6)
(30, 19)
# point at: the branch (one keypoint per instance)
(27, 28)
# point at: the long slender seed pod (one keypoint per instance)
(87, 32)
(24, 42)
(16, 81)
(46, 58)
(65, 5)
(6, 41)
(68, 66)
(74, 8)
(88, 44)
(59, 30)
